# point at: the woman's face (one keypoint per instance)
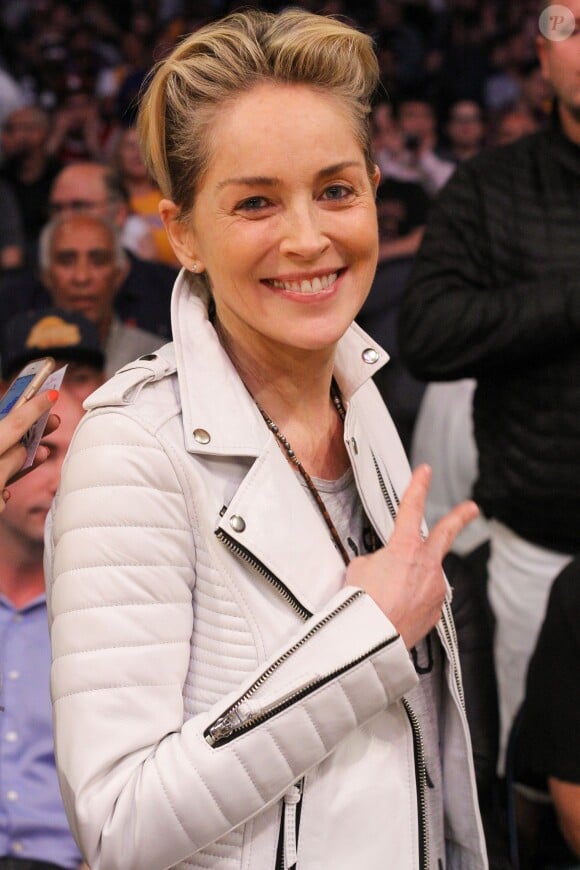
(284, 222)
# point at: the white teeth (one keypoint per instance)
(314, 286)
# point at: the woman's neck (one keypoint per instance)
(293, 389)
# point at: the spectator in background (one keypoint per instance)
(34, 833)
(77, 133)
(494, 296)
(68, 337)
(98, 189)
(82, 264)
(28, 169)
(143, 298)
(510, 125)
(146, 288)
(144, 197)
(465, 131)
(411, 156)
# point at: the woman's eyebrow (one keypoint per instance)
(272, 181)
(338, 167)
(250, 181)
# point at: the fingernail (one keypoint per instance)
(53, 395)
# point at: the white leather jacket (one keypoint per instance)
(210, 669)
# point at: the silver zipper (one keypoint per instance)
(233, 721)
(238, 550)
(421, 781)
(386, 494)
(230, 725)
(449, 630)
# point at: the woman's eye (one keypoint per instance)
(336, 192)
(253, 203)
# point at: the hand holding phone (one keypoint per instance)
(26, 384)
(12, 429)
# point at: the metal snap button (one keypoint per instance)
(238, 524)
(202, 436)
(370, 355)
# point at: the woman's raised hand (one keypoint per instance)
(405, 578)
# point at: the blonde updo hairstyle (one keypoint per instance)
(218, 62)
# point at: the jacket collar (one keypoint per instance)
(215, 402)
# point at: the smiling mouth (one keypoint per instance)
(306, 286)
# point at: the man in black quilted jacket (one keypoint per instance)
(495, 295)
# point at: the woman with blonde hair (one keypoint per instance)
(255, 664)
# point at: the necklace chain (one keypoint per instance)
(287, 447)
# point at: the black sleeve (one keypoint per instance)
(548, 742)
(457, 319)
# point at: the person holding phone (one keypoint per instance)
(243, 674)
(13, 427)
(34, 832)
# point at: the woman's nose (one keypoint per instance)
(303, 233)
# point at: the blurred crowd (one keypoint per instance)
(457, 75)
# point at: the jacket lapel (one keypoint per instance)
(273, 519)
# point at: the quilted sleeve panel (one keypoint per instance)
(142, 789)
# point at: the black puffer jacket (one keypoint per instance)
(495, 295)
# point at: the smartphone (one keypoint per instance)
(26, 384)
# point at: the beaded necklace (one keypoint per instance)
(337, 400)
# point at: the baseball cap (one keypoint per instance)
(65, 335)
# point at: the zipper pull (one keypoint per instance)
(223, 727)
(291, 800)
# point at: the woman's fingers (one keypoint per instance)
(406, 578)
(409, 520)
(444, 532)
(412, 508)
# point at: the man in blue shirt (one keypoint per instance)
(34, 833)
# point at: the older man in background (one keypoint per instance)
(82, 265)
(144, 291)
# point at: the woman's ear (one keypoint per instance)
(376, 178)
(180, 235)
